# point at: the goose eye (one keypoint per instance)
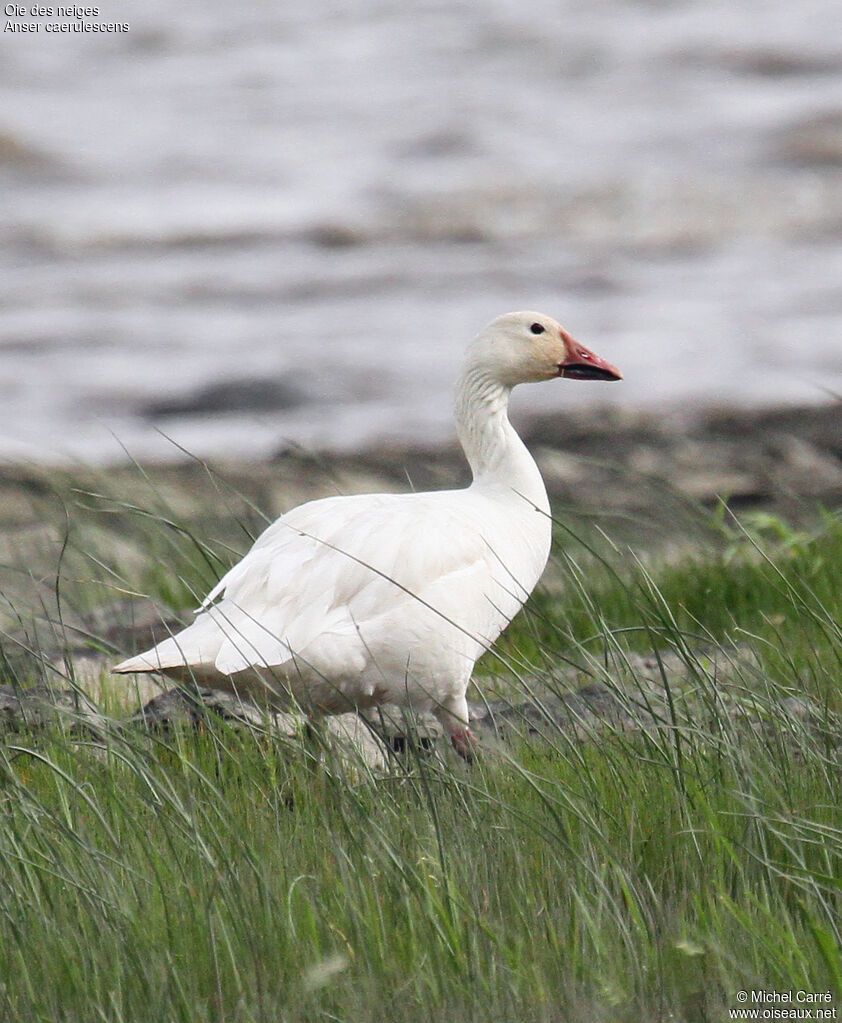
(536, 328)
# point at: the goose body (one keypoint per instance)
(350, 602)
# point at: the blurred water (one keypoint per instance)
(332, 198)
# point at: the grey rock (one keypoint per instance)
(43, 707)
(814, 142)
(581, 714)
(356, 744)
(347, 736)
(180, 707)
(231, 397)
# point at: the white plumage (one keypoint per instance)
(350, 602)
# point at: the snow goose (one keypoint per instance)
(354, 601)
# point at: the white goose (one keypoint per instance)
(350, 602)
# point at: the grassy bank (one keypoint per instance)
(643, 874)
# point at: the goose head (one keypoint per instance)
(527, 347)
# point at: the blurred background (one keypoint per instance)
(239, 227)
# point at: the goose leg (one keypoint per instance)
(465, 743)
(453, 714)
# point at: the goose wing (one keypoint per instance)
(324, 572)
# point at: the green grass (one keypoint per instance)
(638, 876)
(757, 582)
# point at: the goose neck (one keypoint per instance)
(495, 452)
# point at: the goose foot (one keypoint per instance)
(465, 743)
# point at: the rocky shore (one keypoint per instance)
(72, 550)
(595, 462)
(642, 696)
